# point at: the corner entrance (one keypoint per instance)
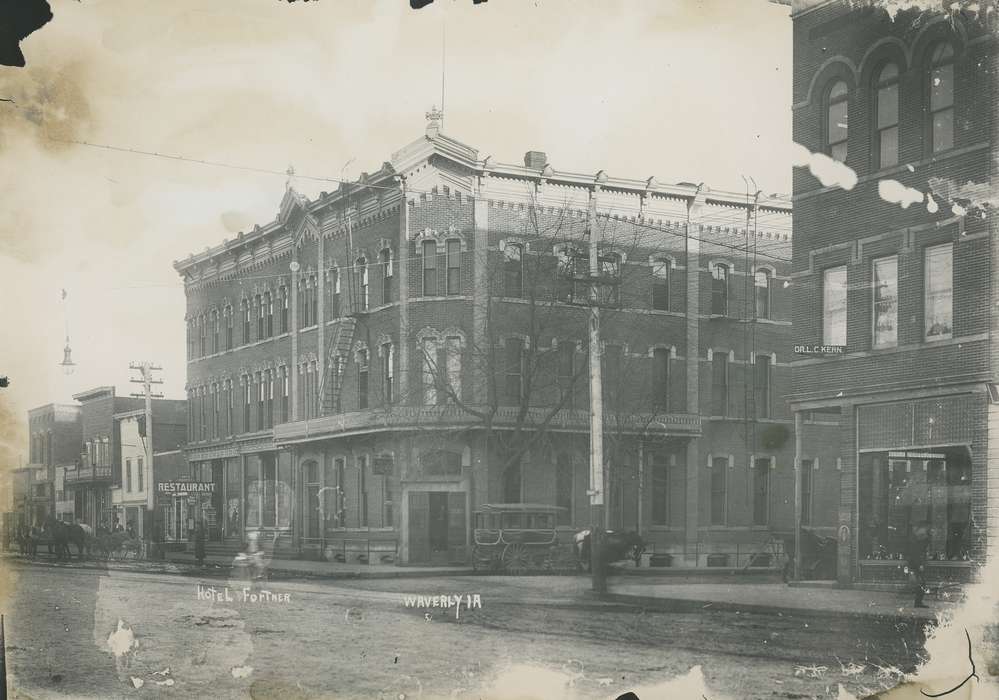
(437, 531)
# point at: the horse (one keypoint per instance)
(617, 546)
(62, 535)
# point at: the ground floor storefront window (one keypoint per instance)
(176, 519)
(269, 494)
(901, 489)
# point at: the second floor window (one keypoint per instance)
(215, 331)
(836, 132)
(761, 491)
(203, 346)
(885, 307)
(429, 371)
(453, 255)
(660, 379)
(269, 314)
(261, 394)
(719, 289)
(938, 300)
(834, 306)
(762, 289)
(514, 372)
(719, 384)
(258, 302)
(452, 367)
(886, 126)
(513, 270)
(362, 379)
(761, 384)
(429, 251)
(140, 473)
(128, 475)
(941, 103)
(285, 393)
(388, 373)
(247, 399)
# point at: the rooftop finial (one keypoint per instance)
(434, 117)
(290, 182)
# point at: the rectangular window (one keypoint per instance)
(719, 384)
(215, 331)
(334, 287)
(128, 475)
(388, 372)
(362, 379)
(719, 479)
(514, 353)
(430, 361)
(761, 490)
(513, 270)
(938, 302)
(761, 385)
(228, 407)
(202, 338)
(719, 290)
(269, 398)
(429, 250)
(140, 473)
(285, 392)
(834, 306)
(887, 126)
(660, 379)
(452, 362)
(362, 272)
(885, 300)
(261, 391)
(453, 252)
(563, 488)
(269, 303)
(261, 317)
(762, 287)
(660, 284)
(228, 328)
(806, 491)
(283, 301)
(659, 464)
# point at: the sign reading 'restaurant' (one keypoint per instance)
(819, 349)
(180, 487)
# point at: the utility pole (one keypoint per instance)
(596, 411)
(146, 370)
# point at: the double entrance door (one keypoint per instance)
(437, 527)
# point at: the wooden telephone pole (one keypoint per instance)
(146, 370)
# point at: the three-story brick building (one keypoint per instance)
(896, 274)
(371, 366)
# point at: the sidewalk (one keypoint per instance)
(771, 598)
(330, 569)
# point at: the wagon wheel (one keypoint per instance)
(483, 558)
(516, 558)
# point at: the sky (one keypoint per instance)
(683, 90)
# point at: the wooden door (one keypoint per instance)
(419, 527)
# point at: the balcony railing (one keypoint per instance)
(87, 474)
(450, 416)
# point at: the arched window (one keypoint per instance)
(837, 107)
(761, 283)
(227, 312)
(362, 379)
(429, 255)
(941, 94)
(283, 304)
(203, 330)
(215, 331)
(258, 302)
(661, 268)
(452, 250)
(513, 270)
(886, 123)
(245, 313)
(269, 314)
(719, 289)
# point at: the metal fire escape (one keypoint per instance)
(341, 339)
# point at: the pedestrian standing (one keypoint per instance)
(199, 544)
(919, 542)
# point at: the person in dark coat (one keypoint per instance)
(199, 544)
(919, 542)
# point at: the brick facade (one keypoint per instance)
(875, 386)
(475, 250)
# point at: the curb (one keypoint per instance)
(690, 605)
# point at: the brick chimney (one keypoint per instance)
(536, 160)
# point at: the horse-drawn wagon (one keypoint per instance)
(520, 537)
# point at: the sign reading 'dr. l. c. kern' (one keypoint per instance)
(820, 350)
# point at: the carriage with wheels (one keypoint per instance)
(518, 538)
